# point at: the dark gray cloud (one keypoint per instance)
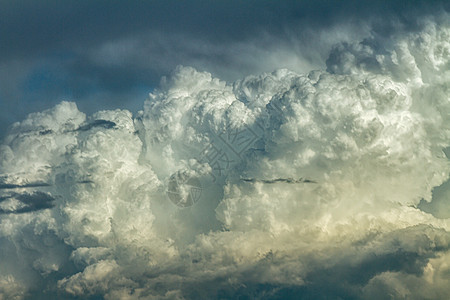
(32, 28)
(29, 202)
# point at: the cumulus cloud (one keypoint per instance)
(107, 56)
(285, 184)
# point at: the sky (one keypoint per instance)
(224, 149)
(111, 55)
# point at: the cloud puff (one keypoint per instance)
(306, 185)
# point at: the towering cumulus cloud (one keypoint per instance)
(276, 186)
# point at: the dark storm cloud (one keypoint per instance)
(31, 27)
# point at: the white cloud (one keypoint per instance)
(369, 133)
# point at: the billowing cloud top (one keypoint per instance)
(279, 185)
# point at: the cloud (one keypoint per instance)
(26, 202)
(87, 201)
(106, 56)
